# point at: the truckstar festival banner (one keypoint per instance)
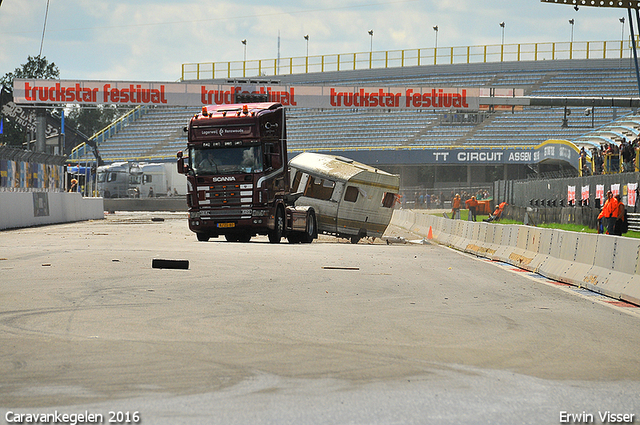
(48, 92)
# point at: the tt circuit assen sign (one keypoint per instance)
(49, 92)
(551, 150)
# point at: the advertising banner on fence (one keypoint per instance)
(571, 195)
(632, 194)
(585, 194)
(49, 92)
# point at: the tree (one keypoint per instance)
(91, 120)
(36, 67)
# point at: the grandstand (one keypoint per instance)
(364, 134)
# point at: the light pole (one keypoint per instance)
(306, 60)
(622, 25)
(502, 25)
(244, 42)
(371, 34)
(572, 22)
(435, 49)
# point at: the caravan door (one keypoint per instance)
(322, 194)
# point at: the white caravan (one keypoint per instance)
(351, 200)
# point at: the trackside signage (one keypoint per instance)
(551, 150)
(49, 92)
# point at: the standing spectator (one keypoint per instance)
(610, 213)
(621, 218)
(472, 205)
(455, 205)
(74, 185)
(628, 155)
(598, 161)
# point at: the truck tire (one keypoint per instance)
(202, 237)
(311, 233)
(244, 237)
(278, 230)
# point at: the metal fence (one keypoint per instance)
(409, 57)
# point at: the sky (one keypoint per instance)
(149, 40)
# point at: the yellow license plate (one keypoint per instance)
(226, 224)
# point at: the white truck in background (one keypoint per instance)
(151, 180)
(140, 180)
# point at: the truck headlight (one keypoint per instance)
(260, 213)
(194, 214)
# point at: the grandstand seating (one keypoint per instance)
(158, 133)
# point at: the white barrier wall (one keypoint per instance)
(602, 263)
(25, 209)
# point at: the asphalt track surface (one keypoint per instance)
(326, 333)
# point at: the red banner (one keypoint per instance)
(54, 92)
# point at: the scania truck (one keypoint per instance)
(237, 175)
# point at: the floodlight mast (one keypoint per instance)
(620, 4)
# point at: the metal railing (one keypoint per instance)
(79, 152)
(409, 57)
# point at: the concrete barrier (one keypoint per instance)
(26, 209)
(606, 264)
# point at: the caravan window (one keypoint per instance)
(296, 181)
(351, 194)
(388, 200)
(319, 188)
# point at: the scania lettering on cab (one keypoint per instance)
(237, 176)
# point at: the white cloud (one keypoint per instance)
(150, 40)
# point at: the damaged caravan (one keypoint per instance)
(351, 200)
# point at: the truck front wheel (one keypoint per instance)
(276, 234)
(202, 237)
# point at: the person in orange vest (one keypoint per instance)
(600, 222)
(497, 213)
(472, 205)
(455, 205)
(620, 219)
(610, 213)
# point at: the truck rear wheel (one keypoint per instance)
(276, 234)
(310, 233)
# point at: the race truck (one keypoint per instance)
(237, 175)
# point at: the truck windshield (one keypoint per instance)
(242, 159)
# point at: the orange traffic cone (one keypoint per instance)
(430, 234)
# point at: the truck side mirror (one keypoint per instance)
(182, 167)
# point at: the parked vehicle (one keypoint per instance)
(156, 179)
(140, 180)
